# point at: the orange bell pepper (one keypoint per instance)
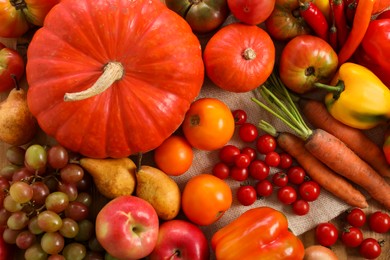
(259, 233)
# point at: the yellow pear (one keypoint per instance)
(112, 177)
(17, 124)
(156, 187)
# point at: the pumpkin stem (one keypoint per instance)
(249, 54)
(112, 72)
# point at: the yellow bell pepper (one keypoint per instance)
(357, 97)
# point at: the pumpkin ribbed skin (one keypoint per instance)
(163, 74)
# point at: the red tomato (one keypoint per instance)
(208, 124)
(284, 23)
(246, 195)
(285, 160)
(305, 60)
(272, 159)
(309, 190)
(370, 248)
(221, 170)
(242, 160)
(356, 217)
(280, 179)
(205, 199)
(301, 207)
(248, 132)
(16, 17)
(352, 236)
(228, 153)
(287, 195)
(264, 188)
(11, 63)
(258, 170)
(240, 116)
(251, 12)
(379, 222)
(174, 156)
(251, 152)
(202, 16)
(326, 234)
(296, 174)
(266, 143)
(239, 174)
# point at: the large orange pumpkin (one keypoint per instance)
(111, 78)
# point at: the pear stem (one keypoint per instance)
(17, 86)
(112, 72)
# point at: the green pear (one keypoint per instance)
(156, 187)
(17, 125)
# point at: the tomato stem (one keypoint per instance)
(18, 4)
(112, 72)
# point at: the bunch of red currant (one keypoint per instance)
(255, 160)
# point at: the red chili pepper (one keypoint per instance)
(340, 20)
(359, 28)
(333, 38)
(350, 10)
(315, 19)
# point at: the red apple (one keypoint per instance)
(180, 239)
(11, 63)
(127, 227)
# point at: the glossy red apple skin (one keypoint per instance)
(127, 227)
(180, 240)
(11, 63)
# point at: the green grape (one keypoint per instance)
(33, 226)
(94, 245)
(52, 242)
(15, 155)
(86, 230)
(11, 205)
(8, 171)
(35, 252)
(74, 251)
(84, 198)
(49, 221)
(36, 157)
(69, 228)
(18, 220)
(21, 191)
(57, 201)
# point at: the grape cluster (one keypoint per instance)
(46, 203)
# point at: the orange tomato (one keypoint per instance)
(174, 156)
(205, 199)
(208, 124)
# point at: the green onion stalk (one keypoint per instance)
(280, 104)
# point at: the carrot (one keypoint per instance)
(318, 116)
(324, 146)
(325, 177)
(337, 156)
